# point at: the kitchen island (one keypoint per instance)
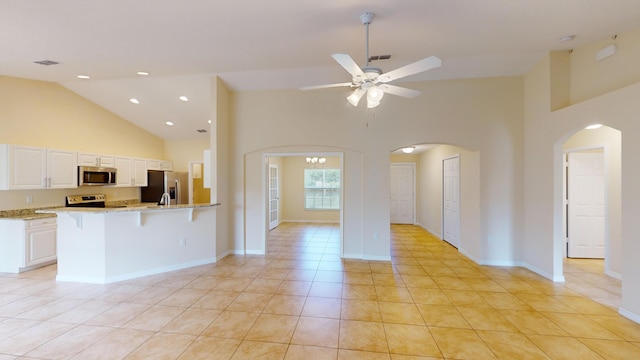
(104, 245)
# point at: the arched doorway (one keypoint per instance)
(592, 209)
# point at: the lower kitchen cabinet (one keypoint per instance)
(27, 244)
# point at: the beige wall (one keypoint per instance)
(181, 152)
(601, 93)
(293, 191)
(483, 115)
(590, 78)
(44, 114)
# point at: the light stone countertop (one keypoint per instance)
(128, 208)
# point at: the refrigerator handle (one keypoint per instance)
(178, 193)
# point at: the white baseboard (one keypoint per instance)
(255, 252)
(310, 221)
(629, 314)
(613, 274)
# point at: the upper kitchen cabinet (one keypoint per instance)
(131, 171)
(161, 165)
(29, 167)
(100, 160)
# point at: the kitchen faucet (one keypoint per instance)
(165, 199)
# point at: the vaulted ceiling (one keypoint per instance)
(276, 44)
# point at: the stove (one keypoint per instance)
(92, 201)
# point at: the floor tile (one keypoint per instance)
(323, 289)
(486, 319)
(256, 350)
(317, 331)
(609, 349)
(210, 348)
(346, 354)
(322, 307)
(285, 305)
(461, 344)
(363, 310)
(273, 328)
(580, 326)
(162, 346)
(363, 335)
(564, 348)
(306, 352)
(192, 321)
(512, 346)
(532, 322)
(400, 313)
(70, 343)
(155, 318)
(446, 316)
(231, 325)
(411, 340)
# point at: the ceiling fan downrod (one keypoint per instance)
(366, 19)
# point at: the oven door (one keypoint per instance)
(89, 175)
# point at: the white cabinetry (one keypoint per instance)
(40, 241)
(30, 167)
(27, 244)
(90, 159)
(131, 171)
(162, 165)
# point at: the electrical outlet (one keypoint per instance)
(183, 242)
(29, 199)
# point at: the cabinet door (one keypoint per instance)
(40, 245)
(123, 165)
(106, 160)
(154, 165)
(62, 169)
(85, 159)
(139, 171)
(167, 165)
(28, 169)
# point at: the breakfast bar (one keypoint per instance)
(104, 245)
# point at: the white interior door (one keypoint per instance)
(451, 200)
(586, 200)
(274, 197)
(402, 193)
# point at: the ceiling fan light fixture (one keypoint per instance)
(374, 94)
(372, 103)
(355, 97)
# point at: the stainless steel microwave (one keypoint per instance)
(91, 175)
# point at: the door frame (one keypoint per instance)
(413, 169)
(453, 156)
(278, 187)
(565, 184)
(265, 194)
(191, 163)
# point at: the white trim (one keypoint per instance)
(453, 156)
(311, 221)
(613, 274)
(629, 314)
(543, 273)
(254, 252)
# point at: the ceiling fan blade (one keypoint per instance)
(399, 91)
(419, 66)
(349, 64)
(316, 87)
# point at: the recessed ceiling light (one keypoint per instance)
(135, 101)
(84, 77)
(184, 98)
(567, 38)
(142, 73)
(169, 123)
(593, 127)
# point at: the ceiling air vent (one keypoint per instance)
(46, 62)
(201, 130)
(379, 57)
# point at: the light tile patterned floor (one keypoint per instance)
(302, 301)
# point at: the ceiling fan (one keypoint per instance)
(371, 80)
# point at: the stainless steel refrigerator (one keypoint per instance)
(176, 184)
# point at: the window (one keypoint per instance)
(322, 189)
